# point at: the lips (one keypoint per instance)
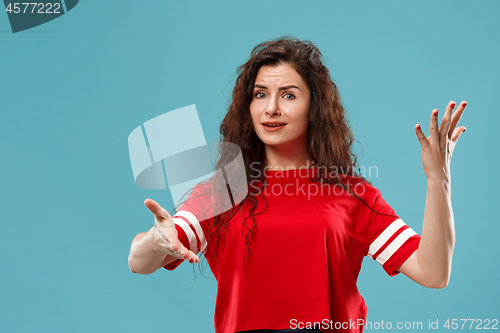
(273, 125)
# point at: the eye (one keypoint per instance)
(259, 93)
(292, 96)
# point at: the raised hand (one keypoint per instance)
(438, 147)
(165, 234)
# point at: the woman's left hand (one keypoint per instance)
(438, 147)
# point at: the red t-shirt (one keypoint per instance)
(308, 246)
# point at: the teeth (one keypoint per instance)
(273, 125)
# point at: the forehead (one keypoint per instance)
(279, 73)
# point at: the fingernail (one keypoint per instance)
(436, 112)
(465, 104)
(453, 104)
(418, 126)
(464, 130)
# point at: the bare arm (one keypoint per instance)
(144, 257)
(430, 265)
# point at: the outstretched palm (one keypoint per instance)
(165, 234)
(438, 147)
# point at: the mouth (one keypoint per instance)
(273, 125)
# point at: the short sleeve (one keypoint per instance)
(191, 224)
(391, 240)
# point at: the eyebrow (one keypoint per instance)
(280, 88)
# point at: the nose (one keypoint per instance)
(272, 108)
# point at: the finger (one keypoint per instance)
(189, 255)
(192, 258)
(173, 236)
(433, 127)
(457, 133)
(421, 136)
(446, 122)
(456, 118)
(155, 208)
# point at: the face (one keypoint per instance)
(280, 95)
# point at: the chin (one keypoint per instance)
(271, 143)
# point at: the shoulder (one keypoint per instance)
(370, 196)
(193, 196)
(361, 188)
(200, 190)
(203, 187)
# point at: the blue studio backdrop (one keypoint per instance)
(74, 87)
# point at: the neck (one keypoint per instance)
(291, 158)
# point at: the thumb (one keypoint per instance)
(155, 208)
(421, 136)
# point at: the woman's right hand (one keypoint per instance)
(165, 235)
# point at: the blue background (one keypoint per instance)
(74, 88)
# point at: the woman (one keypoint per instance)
(287, 257)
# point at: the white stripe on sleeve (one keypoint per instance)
(384, 236)
(199, 230)
(395, 245)
(189, 233)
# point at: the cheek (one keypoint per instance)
(302, 119)
(253, 115)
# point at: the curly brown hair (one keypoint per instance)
(329, 135)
